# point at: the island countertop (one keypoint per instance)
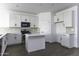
(35, 34)
(34, 42)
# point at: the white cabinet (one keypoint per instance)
(4, 18)
(34, 21)
(60, 29)
(14, 39)
(67, 40)
(34, 42)
(68, 18)
(45, 22)
(15, 20)
(55, 18)
(18, 38)
(59, 18)
(25, 18)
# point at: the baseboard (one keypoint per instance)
(15, 44)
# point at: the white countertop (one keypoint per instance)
(2, 35)
(36, 34)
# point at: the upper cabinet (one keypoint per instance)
(65, 17)
(25, 18)
(68, 18)
(4, 18)
(34, 21)
(15, 20)
(59, 18)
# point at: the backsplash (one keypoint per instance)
(10, 30)
(69, 30)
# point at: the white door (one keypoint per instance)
(68, 19)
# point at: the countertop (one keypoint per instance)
(2, 35)
(35, 34)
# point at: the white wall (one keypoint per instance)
(77, 23)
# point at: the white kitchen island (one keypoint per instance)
(34, 42)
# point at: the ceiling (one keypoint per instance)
(37, 7)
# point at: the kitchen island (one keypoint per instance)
(34, 42)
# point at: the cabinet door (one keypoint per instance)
(11, 39)
(55, 18)
(60, 29)
(68, 19)
(34, 21)
(15, 20)
(59, 17)
(18, 38)
(12, 21)
(65, 41)
(25, 18)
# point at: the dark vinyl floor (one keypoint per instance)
(52, 49)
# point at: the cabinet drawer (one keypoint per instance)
(18, 38)
(11, 39)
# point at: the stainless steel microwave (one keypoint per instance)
(25, 24)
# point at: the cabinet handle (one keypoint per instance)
(5, 42)
(25, 19)
(6, 38)
(15, 37)
(63, 24)
(57, 19)
(15, 24)
(60, 38)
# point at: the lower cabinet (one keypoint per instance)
(67, 40)
(14, 38)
